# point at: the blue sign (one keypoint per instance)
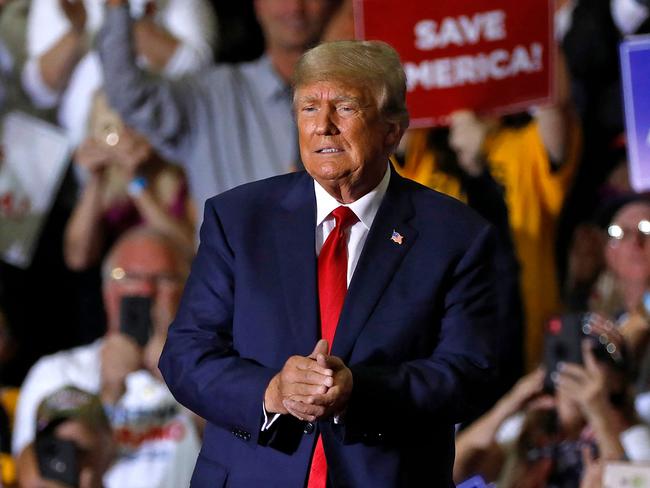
(475, 482)
(635, 71)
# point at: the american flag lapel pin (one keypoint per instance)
(396, 237)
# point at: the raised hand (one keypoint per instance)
(93, 156)
(585, 385)
(120, 356)
(75, 11)
(466, 136)
(608, 334)
(527, 388)
(132, 151)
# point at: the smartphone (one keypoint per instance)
(563, 343)
(58, 460)
(135, 318)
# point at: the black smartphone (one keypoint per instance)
(57, 460)
(563, 343)
(135, 318)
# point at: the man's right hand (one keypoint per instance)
(301, 376)
(466, 136)
(120, 356)
(93, 156)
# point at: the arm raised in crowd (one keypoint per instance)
(477, 450)
(555, 120)
(56, 42)
(150, 106)
(588, 387)
(469, 132)
(179, 40)
(84, 236)
(160, 189)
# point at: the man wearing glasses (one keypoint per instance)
(157, 441)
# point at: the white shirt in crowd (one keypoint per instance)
(192, 22)
(156, 438)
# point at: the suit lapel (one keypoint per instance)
(377, 264)
(295, 247)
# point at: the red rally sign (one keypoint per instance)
(491, 56)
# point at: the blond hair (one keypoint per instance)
(359, 63)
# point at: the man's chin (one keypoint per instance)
(298, 42)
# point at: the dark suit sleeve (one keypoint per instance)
(450, 384)
(199, 362)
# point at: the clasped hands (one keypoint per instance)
(310, 388)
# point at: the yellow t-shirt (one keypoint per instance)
(534, 195)
(420, 165)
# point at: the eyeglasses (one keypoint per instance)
(617, 233)
(168, 280)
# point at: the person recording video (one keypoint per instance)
(559, 424)
(157, 441)
(74, 445)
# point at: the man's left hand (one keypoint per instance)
(585, 385)
(120, 356)
(333, 402)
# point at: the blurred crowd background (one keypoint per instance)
(168, 102)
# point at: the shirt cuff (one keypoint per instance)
(268, 419)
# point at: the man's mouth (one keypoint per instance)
(329, 150)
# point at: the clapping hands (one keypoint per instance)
(311, 388)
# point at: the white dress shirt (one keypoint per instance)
(365, 208)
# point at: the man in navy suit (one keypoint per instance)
(396, 278)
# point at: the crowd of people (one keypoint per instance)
(167, 103)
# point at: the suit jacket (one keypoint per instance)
(415, 329)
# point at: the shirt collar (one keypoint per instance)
(365, 208)
(271, 85)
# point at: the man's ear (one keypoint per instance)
(394, 134)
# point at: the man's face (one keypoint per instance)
(144, 267)
(343, 138)
(293, 24)
(629, 256)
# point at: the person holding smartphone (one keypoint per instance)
(74, 445)
(157, 441)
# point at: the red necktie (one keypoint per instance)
(332, 286)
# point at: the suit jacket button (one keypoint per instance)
(308, 428)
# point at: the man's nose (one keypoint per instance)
(325, 124)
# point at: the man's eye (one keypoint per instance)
(308, 108)
(345, 109)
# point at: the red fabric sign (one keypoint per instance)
(490, 56)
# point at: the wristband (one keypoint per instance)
(645, 305)
(136, 186)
